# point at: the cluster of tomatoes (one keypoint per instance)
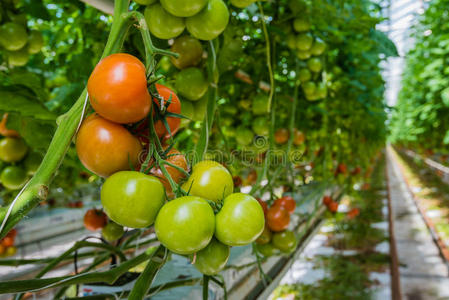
(308, 49)
(331, 205)
(96, 219)
(275, 237)
(16, 162)
(203, 19)
(17, 41)
(7, 247)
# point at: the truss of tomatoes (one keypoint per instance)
(276, 238)
(208, 220)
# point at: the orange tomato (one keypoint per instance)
(173, 107)
(281, 136)
(333, 206)
(298, 137)
(105, 147)
(178, 159)
(8, 241)
(327, 200)
(118, 89)
(95, 219)
(264, 205)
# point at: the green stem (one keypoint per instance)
(205, 287)
(143, 283)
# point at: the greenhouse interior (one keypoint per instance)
(224, 149)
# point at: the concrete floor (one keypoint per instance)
(423, 273)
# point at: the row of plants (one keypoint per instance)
(191, 105)
(418, 118)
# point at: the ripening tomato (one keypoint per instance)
(95, 219)
(12, 149)
(281, 136)
(284, 241)
(112, 231)
(7, 241)
(169, 104)
(327, 200)
(4, 130)
(287, 202)
(13, 177)
(240, 220)
(185, 225)
(209, 180)
(298, 137)
(178, 159)
(210, 22)
(265, 236)
(105, 147)
(118, 89)
(213, 258)
(278, 218)
(132, 199)
(2, 249)
(163, 24)
(11, 251)
(190, 52)
(181, 8)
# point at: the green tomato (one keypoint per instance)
(315, 65)
(321, 90)
(13, 36)
(190, 52)
(209, 180)
(267, 250)
(260, 104)
(240, 221)
(185, 225)
(112, 231)
(200, 108)
(18, 58)
(301, 24)
(188, 111)
(209, 22)
(13, 177)
(260, 126)
(132, 199)
(182, 8)
(303, 55)
(145, 2)
(162, 24)
(244, 136)
(12, 149)
(304, 41)
(32, 162)
(35, 42)
(213, 258)
(242, 3)
(318, 47)
(191, 83)
(284, 241)
(304, 75)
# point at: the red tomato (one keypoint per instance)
(173, 107)
(327, 200)
(353, 213)
(264, 205)
(105, 147)
(118, 89)
(8, 241)
(356, 171)
(95, 219)
(333, 206)
(281, 136)
(237, 181)
(278, 218)
(287, 202)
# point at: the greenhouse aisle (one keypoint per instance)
(423, 273)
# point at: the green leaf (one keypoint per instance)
(385, 45)
(445, 96)
(26, 107)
